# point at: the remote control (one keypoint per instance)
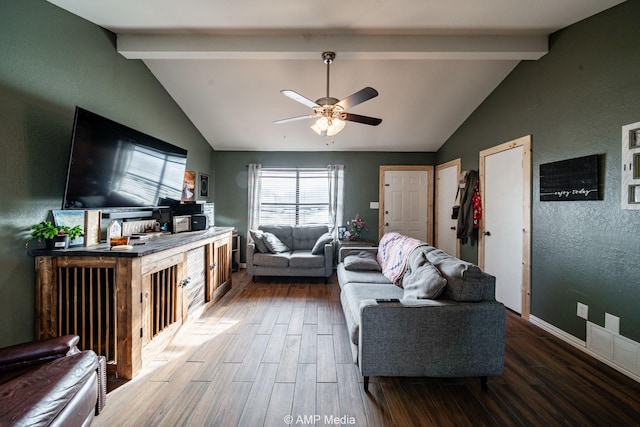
(383, 300)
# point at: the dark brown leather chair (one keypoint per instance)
(51, 382)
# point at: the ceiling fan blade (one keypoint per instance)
(358, 97)
(295, 119)
(297, 97)
(361, 119)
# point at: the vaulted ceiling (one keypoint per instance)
(432, 61)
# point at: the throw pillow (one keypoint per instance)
(274, 244)
(258, 238)
(361, 261)
(425, 282)
(318, 247)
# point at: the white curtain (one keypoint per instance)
(336, 197)
(254, 189)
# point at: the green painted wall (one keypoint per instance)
(574, 102)
(361, 180)
(51, 61)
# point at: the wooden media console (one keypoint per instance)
(126, 305)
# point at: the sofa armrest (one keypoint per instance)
(61, 392)
(329, 258)
(38, 351)
(350, 250)
(251, 249)
(431, 338)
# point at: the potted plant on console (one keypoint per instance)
(54, 236)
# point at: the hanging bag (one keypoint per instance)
(455, 210)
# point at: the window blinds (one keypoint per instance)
(294, 196)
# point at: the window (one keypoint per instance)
(295, 196)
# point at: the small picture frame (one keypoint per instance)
(634, 194)
(70, 218)
(189, 187)
(92, 225)
(341, 230)
(634, 138)
(204, 185)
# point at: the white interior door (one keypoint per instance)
(505, 173)
(446, 196)
(406, 200)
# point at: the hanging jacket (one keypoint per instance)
(469, 207)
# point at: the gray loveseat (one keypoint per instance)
(460, 332)
(297, 257)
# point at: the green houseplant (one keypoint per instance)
(55, 236)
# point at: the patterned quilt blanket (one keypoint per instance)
(393, 254)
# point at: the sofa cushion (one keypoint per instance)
(258, 238)
(282, 232)
(465, 281)
(423, 282)
(271, 260)
(305, 236)
(363, 260)
(318, 247)
(305, 259)
(361, 276)
(274, 244)
(422, 279)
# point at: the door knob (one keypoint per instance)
(487, 233)
(453, 228)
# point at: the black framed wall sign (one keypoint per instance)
(204, 185)
(573, 179)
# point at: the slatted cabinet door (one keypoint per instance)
(218, 255)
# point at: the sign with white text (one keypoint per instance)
(573, 179)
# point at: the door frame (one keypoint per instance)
(525, 143)
(430, 188)
(453, 163)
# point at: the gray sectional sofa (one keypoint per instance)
(459, 331)
(304, 251)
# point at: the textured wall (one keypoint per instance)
(361, 180)
(574, 102)
(51, 61)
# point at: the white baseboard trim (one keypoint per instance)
(579, 344)
(568, 338)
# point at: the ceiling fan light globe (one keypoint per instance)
(320, 126)
(336, 126)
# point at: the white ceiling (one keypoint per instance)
(432, 61)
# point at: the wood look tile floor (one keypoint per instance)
(276, 353)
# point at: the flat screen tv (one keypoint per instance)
(112, 166)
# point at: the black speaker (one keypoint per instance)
(188, 208)
(199, 222)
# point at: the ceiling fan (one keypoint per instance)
(331, 112)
